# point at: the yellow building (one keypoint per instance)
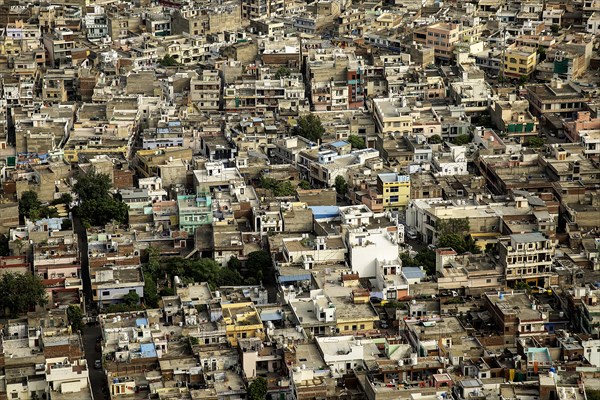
(395, 189)
(352, 318)
(242, 321)
(519, 61)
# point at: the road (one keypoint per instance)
(90, 332)
(97, 377)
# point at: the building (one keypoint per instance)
(395, 189)
(556, 97)
(519, 61)
(443, 37)
(527, 258)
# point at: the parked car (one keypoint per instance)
(98, 364)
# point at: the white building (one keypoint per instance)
(367, 246)
(451, 163)
(345, 353)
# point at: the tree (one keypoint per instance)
(150, 291)
(541, 53)
(4, 248)
(461, 140)
(341, 187)
(534, 142)
(357, 142)
(97, 205)
(454, 225)
(523, 79)
(28, 203)
(309, 127)
(435, 139)
(283, 72)
(279, 188)
(168, 61)
(234, 263)
(259, 264)
(454, 241)
(64, 198)
(92, 186)
(20, 293)
(131, 299)
(555, 29)
(257, 390)
(304, 185)
(426, 259)
(32, 208)
(75, 316)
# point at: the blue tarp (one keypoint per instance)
(294, 278)
(148, 350)
(320, 212)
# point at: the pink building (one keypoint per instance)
(582, 122)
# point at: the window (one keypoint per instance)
(105, 293)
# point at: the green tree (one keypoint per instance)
(309, 127)
(523, 79)
(279, 188)
(453, 240)
(435, 139)
(304, 185)
(426, 259)
(357, 142)
(75, 316)
(168, 61)
(285, 189)
(341, 187)
(555, 29)
(29, 203)
(131, 299)
(534, 142)
(454, 225)
(234, 263)
(20, 293)
(283, 72)
(92, 186)
(64, 198)
(97, 205)
(461, 140)
(4, 248)
(257, 390)
(259, 264)
(150, 291)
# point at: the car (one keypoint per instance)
(98, 364)
(412, 235)
(375, 300)
(432, 247)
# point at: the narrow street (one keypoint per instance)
(97, 377)
(91, 331)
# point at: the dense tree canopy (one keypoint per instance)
(341, 187)
(279, 188)
(20, 293)
(32, 208)
(282, 72)
(97, 205)
(461, 140)
(357, 142)
(75, 316)
(310, 127)
(257, 390)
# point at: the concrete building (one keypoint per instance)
(527, 258)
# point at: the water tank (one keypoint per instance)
(217, 294)
(176, 280)
(303, 366)
(501, 296)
